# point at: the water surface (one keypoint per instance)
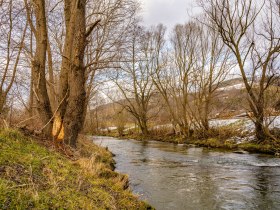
(170, 176)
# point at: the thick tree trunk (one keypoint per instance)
(205, 124)
(74, 113)
(260, 133)
(142, 123)
(256, 102)
(38, 67)
(73, 119)
(184, 129)
(144, 129)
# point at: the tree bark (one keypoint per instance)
(2, 102)
(38, 67)
(74, 112)
(52, 93)
(65, 65)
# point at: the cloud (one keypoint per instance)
(168, 12)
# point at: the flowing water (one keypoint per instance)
(170, 176)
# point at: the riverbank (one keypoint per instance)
(33, 175)
(271, 148)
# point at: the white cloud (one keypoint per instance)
(168, 12)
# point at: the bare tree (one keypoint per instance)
(133, 80)
(189, 80)
(107, 40)
(92, 36)
(72, 77)
(173, 80)
(236, 22)
(211, 68)
(12, 36)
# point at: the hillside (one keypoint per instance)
(228, 98)
(35, 177)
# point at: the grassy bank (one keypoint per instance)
(271, 148)
(35, 176)
(136, 136)
(268, 147)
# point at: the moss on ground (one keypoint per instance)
(33, 176)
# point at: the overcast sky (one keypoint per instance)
(168, 12)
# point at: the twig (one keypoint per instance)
(21, 185)
(30, 118)
(55, 112)
(55, 6)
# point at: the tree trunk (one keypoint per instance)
(205, 120)
(144, 129)
(66, 62)
(38, 67)
(260, 133)
(184, 130)
(31, 96)
(142, 124)
(52, 93)
(74, 113)
(2, 103)
(259, 123)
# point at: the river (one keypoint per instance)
(170, 176)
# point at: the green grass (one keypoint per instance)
(214, 143)
(221, 141)
(266, 148)
(260, 148)
(35, 177)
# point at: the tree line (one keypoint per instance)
(186, 70)
(56, 55)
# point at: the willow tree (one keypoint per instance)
(250, 29)
(77, 52)
(212, 67)
(72, 80)
(72, 76)
(173, 80)
(133, 77)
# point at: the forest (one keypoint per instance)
(70, 69)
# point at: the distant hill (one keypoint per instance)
(231, 82)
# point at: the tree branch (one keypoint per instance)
(90, 28)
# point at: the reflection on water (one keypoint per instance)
(173, 176)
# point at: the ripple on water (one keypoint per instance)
(175, 177)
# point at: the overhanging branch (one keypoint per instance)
(90, 28)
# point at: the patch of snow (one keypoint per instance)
(275, 122)
(219, 123)
(129, 128)
(163, 126)
(236, 87)
(108, 129)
